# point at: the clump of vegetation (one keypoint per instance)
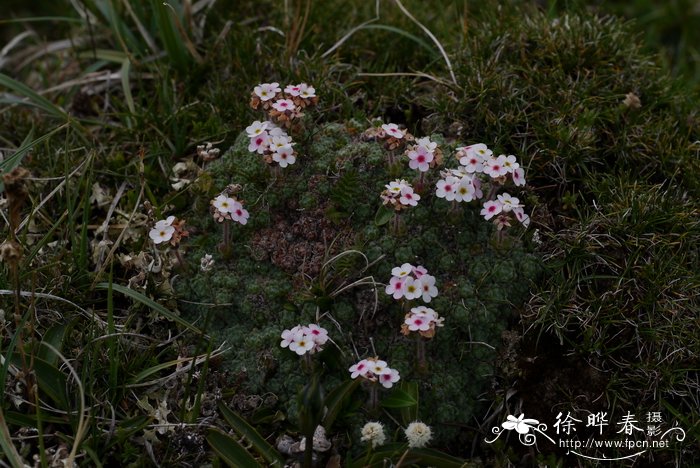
(113, 326)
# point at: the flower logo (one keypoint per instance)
(520, 424)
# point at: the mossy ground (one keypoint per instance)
(612, 189)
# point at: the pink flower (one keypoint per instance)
(418, 322)
(447, 188)
(521, 216)
(420, 158)
(318, 334)
(427, 288)
(396, 287)
(495, 167)
(284, 156)
(239, 214)
(259, 143)
(519, 177)
(408, 197)
(283, 105)
(392, 130)
(491, 209)
(359, 369)
(419, 271)
(388, 380)
(293, 90)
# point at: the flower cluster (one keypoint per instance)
(170, 230)
(283, 106)
(373, 432)
(422, 320)
(464, 183)
(412, 283)
(225, 207)
(418, 434)
(399, 195)
(269, 137)
(272, 142)
(503, 209)
(423, 155)
(302, 340)
(375, 370)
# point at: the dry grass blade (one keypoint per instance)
(432, 37)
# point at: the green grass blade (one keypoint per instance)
(260, 445)
(33, 97)
(337, 399)
(13, 161)
(172, 40)
(8, 448)
(148, 302)
(230, 451)
(126, 87)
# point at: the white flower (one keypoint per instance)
(161, 232)
(427, 144)
(378, 367)
(508, 202)
(408, 197)
(412, 288)
(165, 222)
(402, 271)
(283, 105)
(447, 188)
(478, 149)
(284, 156)
(373, 432)
(465, 191)
(224, 204)
(288, 336)
(392, 130)
(256, 128)
(267, 91)
(301, 343)
(510, 163)
(280, 141)
(491, 209)
(418, 434)
(395, 186)
(306, 91)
